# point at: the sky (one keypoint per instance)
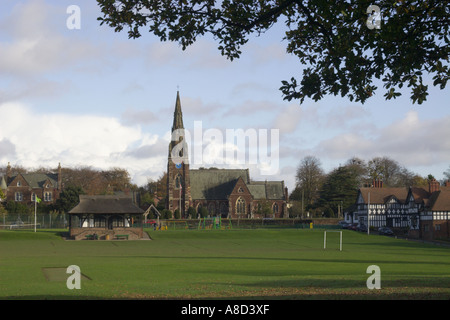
(89, 96)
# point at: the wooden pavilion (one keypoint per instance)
(106, 217)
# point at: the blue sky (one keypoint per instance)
(93, 97)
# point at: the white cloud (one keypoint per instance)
(411, 141)
(133, 116)
(100, 142)
(288, 119)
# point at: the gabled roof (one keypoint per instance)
(215, 184)
(440, 200)
(106, 204)
(382, 195)
(270, 190)
(420, 194)
(436, 201)
(38, 180)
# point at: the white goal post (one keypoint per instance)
(325, 238)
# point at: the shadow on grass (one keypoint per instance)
(343, 260)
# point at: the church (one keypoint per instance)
(228, 193)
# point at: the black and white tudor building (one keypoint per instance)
(423, 213)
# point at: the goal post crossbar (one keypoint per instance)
(325, 238)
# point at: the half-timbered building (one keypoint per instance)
(424, 213)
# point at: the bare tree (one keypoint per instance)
(309, 179)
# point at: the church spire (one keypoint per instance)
(177, 115)
(178, 135)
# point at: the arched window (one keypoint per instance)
(275, 208)
(178, 181)
(240, 206)
(47, 196)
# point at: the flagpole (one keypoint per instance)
(36, 200)
(179, 209)
(35, 209)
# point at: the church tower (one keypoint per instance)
(178, 183)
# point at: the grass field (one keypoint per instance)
(222, 264)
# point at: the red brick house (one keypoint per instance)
(435, 217)
(25, 187)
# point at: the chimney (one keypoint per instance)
(59, 177)
(8, 173)
(433, 186)
(377, 183)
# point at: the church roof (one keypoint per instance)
(269, 190)
(106, 204)
(217, 184)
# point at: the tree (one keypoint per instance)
(339, 189)
(68, 199)
(447, 174)
(192, 213)
(309, 178)
(359, 168)
(203, 212)
(264, 208)
(384, 169)
(344, 54)
(390, 172)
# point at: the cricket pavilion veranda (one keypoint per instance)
(106, 217)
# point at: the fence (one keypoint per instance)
(25, 220)
(61, 221)
(224, 223)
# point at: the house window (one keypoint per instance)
(240, 206)
(47, 196)
(99, 222)
(18, 196)
(241, 190)
(33, 197)
(118, 222)
(19, 184)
